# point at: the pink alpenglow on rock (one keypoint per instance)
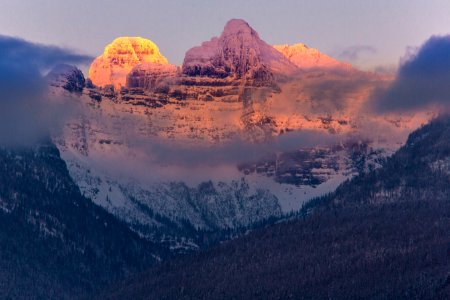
(309, 58)
(238, 52)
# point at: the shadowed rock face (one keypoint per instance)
(151, 76)
(68, 77)
(120, 57)
(238, 52)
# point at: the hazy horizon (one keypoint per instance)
(362, 33)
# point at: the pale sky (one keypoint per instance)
(384, 28)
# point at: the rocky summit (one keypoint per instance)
(120, 57)
(68, 77)
(238, 52)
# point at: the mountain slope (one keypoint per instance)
(382, 235)
(56, 244)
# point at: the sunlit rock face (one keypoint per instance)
(236, 86)
(151, 76)
(239, 53)
(309, 58)
(120, 57)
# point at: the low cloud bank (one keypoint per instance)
(423, 80)
(232, 152)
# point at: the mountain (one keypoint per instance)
(130, 151)
(55, 243)
(382, 235)
(238, 52)
(309, 58)
(120, 57)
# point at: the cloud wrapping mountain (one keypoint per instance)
(22, 86)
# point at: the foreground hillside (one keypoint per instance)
(382, 235)
(56, 244)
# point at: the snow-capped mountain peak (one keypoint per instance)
(238, 52)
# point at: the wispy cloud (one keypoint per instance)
(353, 53)
(389, 69)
